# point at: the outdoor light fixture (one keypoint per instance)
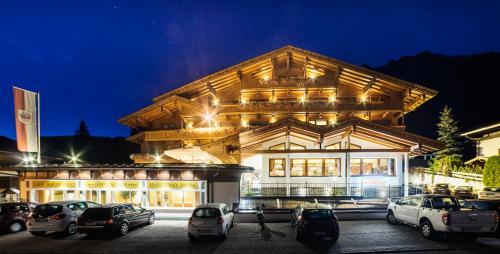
(215, 102)
(363, 98)
(157, 158)
(244, 123)
(243, 100)
(73, 159)
(266, 78)
(208, 117)
(331, 98)
(28, 159)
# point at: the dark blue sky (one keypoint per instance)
(101, 60)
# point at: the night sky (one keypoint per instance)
(100, 60)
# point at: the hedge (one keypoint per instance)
(491, 173)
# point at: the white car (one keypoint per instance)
(434, 213)
(57, 217)
(212, 219)
(489, 193)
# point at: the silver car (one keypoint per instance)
(57, 217)
(212, 219)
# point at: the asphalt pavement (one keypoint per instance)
(170, 236)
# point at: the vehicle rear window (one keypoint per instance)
(464, 188)
(442, 185)
(445, 203)
(97, 213)
(317, 213)
(206, 213)
(48, 210)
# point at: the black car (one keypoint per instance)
(315, 220)
(464, 192)
(442, 188)
(114, 218)
(492, 205)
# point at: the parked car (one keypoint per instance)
(442, 188)
(57, 217)
(492, 205)
(114, 218)
(464, 192)
(489, 193)
(13, 216)
(314, 220)
(212, 219)
(435, 214)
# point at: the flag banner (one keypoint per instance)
(26, 124)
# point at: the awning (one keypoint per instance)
(192, 155)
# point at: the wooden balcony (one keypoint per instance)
(346, 105)
(290, 82)
(190, 134)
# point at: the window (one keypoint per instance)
(296, 147)
(315, 167)
(333, 146)
(416, 201)
(372, 167)
(277, 167)
(298, 167)
(278, 147)
(332, 167)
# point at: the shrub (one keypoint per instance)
(491, 173)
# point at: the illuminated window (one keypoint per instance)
(353, 146)
(278, 147)
(332, 167)
(277, 167)
(298, 167)
(333, 146)
(296, 147)
(372, 167)
(315, 167)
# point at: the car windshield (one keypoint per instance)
(467, 188)
(442, 185)
(206, 213)
(445, 203)
(47, 210)
(97, 213)
(317, 213)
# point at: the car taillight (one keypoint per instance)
(299, 218)
(497, 217)
(220, 221)
(446, 217)
(190, 221)
(108, 221)
(58, 216)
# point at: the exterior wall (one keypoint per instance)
(489, 146)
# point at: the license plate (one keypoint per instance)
(319, 233)
(41, 219)
(204, 230)
(470, 229)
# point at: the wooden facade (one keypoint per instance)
(286, 90)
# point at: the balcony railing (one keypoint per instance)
(195, 133)
(325, 190)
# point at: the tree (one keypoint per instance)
(491, 173)
(448, 158)
(83, 130)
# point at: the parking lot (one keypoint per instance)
(171, 236)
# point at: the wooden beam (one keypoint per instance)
(369, 86)
(274, 62)
(288, 62)
(336, 77)
(211, 89)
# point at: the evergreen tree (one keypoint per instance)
(448, 158)
(83, 130)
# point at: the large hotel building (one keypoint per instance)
(306, 123)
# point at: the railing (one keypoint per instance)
(326, 190)
(196, 133)
(310, 106)
(461, 175)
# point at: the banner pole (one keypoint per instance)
(39, 156)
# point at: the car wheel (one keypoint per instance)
(37, 233)
(298, 236)
(15, 227)
(427, 230)
(192, 238)
(71, 228)
(391, 218)
(123, 230)
(151, 219)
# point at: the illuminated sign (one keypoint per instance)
(54, 184)
(111, 184)
(172, 185)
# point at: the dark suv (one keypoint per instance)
(114, 218)
(442, 188)
(13, 216)
(315, 220)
